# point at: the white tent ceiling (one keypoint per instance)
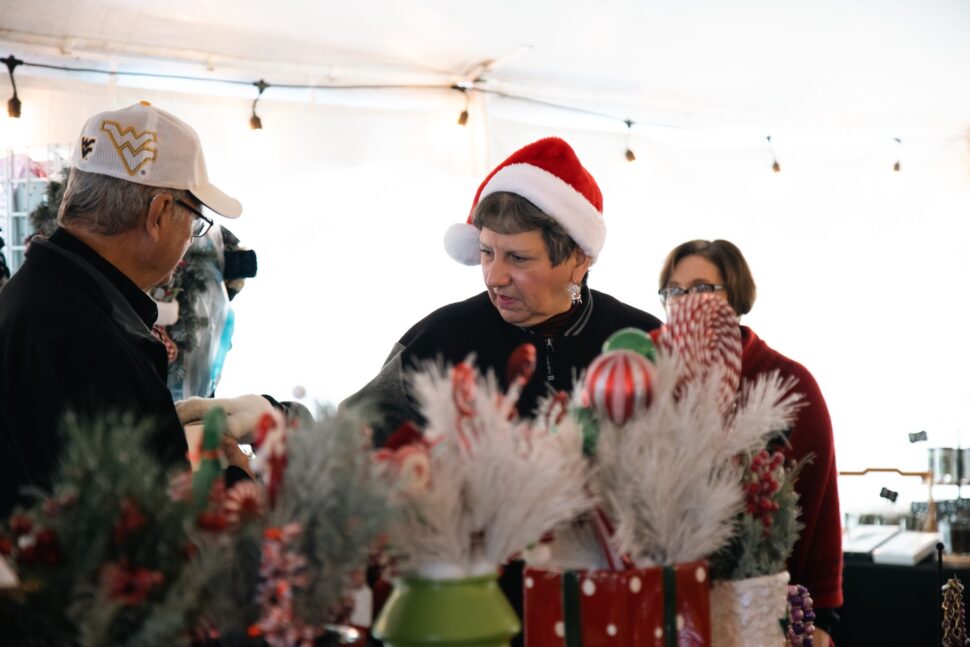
(846, 250)
(898, 67)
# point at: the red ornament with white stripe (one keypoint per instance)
(619, 385)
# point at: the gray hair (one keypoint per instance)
(106, 205)
(510, 213)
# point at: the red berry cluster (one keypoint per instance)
(130, 519)
(31, 544)
(127, 585)
(762, 482)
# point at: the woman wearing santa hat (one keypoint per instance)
(536, 227)
(718, 267)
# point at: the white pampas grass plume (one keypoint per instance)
(669, 477)
(497, 482)
(574, 547)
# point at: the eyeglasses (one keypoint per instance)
(674, 292)
(201, 226)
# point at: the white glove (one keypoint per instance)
(243, 413)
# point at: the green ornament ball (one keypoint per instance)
(631, 339)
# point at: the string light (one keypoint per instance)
(254, 121)
(630, 156)
(463, 117)
(899, 143)
(775, 166)
(13, 105)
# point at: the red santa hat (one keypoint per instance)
(548, 174)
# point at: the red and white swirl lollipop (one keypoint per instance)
(703, 329)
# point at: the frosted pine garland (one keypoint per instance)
(122, 556)
(496, 482)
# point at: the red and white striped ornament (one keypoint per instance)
(703, 329)
(619, 384)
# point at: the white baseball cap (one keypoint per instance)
(146, 145)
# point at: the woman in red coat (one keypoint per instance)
(816, 562)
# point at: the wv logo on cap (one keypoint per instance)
(136, 149)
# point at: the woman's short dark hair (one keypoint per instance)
(725, 255)
(510, 213)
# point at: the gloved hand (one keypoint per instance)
(243, 413)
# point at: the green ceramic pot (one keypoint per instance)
(470, 612)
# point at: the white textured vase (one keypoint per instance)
(746, 613)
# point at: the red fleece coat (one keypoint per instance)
(816, 562)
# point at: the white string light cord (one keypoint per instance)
(477, 85)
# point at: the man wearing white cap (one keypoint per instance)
(75, 320)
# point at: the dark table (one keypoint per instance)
(891, 605)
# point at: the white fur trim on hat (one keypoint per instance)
(557, 199)
(462, 243)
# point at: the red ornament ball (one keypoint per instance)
(619, 384)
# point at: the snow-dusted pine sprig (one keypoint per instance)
(333, 492)
(496, 482)
(670, 476)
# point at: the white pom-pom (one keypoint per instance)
(461, 243)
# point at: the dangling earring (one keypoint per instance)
(575, 294)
